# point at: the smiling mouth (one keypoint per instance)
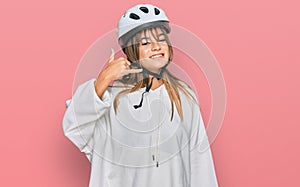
(159, 55)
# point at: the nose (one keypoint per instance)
(155, 46)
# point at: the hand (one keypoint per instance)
(114, 70)
(118, 68)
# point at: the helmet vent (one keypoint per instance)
(144, 9)
(134, 16)
(156, 11)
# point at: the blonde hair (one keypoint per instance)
(136, 81)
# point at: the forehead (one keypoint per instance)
(151, 32)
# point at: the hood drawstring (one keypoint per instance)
(155, 157)
(157, 146)
(156, 154)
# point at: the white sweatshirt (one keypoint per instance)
(139, 147)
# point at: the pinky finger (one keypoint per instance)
(133, 71)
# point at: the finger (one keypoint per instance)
(132, 71)
(122, 59)
(112, 55)
(127, 62)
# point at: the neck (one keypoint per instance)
(153, 73)
(156, 83)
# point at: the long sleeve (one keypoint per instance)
(81, 116)
(202, 166)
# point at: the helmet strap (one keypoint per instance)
(149, 85)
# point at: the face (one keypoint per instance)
(153, 50)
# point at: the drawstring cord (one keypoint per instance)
(157, 147)
(148, 87)
(156, 155)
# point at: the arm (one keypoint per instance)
(91, 102)
(202, 166)
(82, 113)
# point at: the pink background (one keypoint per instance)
(255, 42)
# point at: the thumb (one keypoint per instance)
(112, 55)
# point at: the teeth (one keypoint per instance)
(156, 56)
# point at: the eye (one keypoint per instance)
(162, 39)
(145, 42)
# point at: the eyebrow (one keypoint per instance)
(144, 38)
(147, 38)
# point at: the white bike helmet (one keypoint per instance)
(140, 17)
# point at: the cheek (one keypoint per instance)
(167, 52)
(165, 47)
(143, 52)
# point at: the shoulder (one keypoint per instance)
(187, 92)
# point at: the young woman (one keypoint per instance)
(146, 130)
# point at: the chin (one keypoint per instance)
(154, 65)
(159, 63)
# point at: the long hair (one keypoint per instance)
(136, 81)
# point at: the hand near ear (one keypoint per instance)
(115, 69)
